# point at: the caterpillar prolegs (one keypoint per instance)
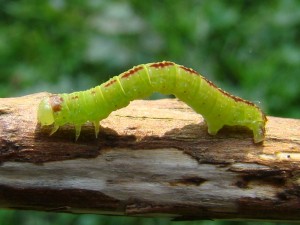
(218, 107)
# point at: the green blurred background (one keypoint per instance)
(249, 48)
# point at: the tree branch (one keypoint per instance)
(152, 158)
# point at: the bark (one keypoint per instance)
(152, 158)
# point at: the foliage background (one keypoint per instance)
(249, 48)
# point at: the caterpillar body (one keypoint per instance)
(218, 107)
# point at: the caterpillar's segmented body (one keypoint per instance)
(216, 106)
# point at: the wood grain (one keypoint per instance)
(152, 158)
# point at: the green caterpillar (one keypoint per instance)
(216, 106)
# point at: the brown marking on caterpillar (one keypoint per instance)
(55, 102)
(110, 83)
(162, 64)
(238, 99)
(189, 70)
(131, 72)
(235, 98)
(93, 92)
(74, 97)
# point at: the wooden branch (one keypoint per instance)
(152, 158)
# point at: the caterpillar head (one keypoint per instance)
(45, 112)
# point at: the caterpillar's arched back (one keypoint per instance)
(216, 106)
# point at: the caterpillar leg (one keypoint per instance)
(77, 131)
(213, 128)
(96, 125)
(54, 129)
(258, 132)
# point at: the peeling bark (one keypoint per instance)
(152, 158)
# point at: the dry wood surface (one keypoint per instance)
(152, 158)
